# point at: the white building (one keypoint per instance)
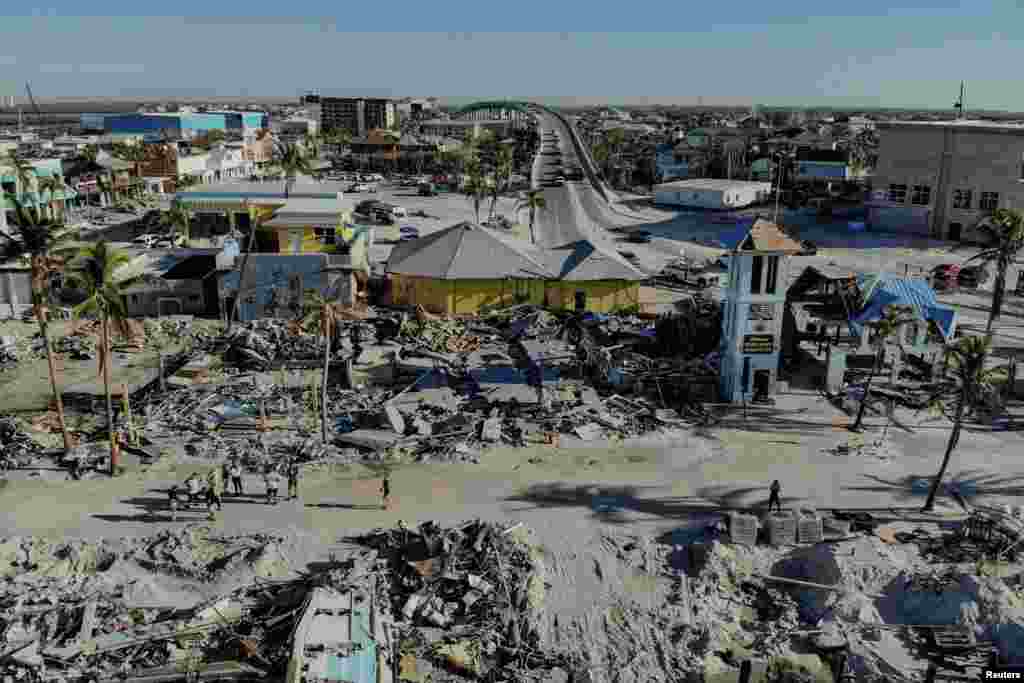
(712, 193)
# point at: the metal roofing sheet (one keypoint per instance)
(883, 291)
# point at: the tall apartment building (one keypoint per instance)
(356, 114)
(941, 178)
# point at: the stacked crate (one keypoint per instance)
(781, 529)
(810, 528)
(743, 528)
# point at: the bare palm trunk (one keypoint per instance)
(856, 426)
(105, 340)
(323, 399)
(58, 400)
(998, 294)
(241, 275)
(954, 438)
(533, 237)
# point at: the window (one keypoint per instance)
(1022, 166)
(193, 298)
(962, 199)
(773, 275)
(757, 266)
(922, 195)
(989, 201)
(897, 194)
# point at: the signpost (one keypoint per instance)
(758, 343)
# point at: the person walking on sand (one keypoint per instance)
(236, 477)
(215, 484)
(773, 496)
(385, 493)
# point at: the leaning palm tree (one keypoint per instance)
(886, 329)
(292, 162)
(322, 315)
(1005, 233)
(43, 241)
(101, 271)
(534, 201)
(967, 383)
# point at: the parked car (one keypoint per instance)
(427, 190)
(408, 232)
(360, 187)
(638, 237)
(973, 276)
(147, 241)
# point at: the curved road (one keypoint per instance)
(575, 211)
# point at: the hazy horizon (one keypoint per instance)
(868, 56)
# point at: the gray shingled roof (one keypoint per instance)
(584, 261)
(464, 252)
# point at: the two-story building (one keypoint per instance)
(752, 312)
(941, 178)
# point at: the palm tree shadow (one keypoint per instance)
(612, 504)
(969, 484)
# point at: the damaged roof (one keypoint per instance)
(584, 261)
(465, 252)
(768, 237)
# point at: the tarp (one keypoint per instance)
(882, 291)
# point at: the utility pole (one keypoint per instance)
(959, 104)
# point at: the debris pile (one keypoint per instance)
(17, 448)
(435, 333)
(478, 587)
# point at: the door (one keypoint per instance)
(762, 383)
(955, 230)
(581, 301)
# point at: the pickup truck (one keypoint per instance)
(700, 275)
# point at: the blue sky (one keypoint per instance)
(740, 52)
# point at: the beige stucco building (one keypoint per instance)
(940, 178)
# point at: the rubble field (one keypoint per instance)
(489, 601)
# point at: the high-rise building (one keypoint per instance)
(356, 114)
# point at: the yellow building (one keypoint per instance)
(466, 268)
(303, 220)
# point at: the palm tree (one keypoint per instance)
(177, 219)
(50, 185)
(965, 385)
(502, 174)
(100, 271)
(1005, 232)
(104, 188)
(323, 315)
(292, 162)
(534, 201)
(311, 141)
(42, 240)
(183, 182)
(24, 173)
(886, 328)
